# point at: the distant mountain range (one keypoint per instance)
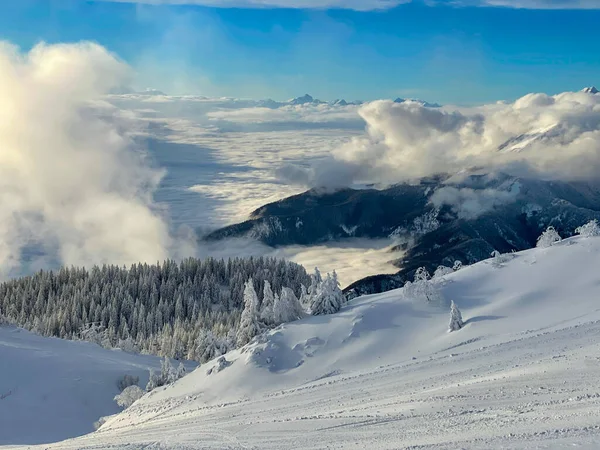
(431, 234)
(305, 99)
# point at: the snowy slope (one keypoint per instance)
(385, 373)
(52, 389)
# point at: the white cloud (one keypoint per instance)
(71, 180)
(352, 259)
(469, 203)
(549, 136)
(358, 5)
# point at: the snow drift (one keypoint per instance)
(386, 373)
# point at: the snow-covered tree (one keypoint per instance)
(421, 274)
(315, 281)
(287, 307)
(266, 307)
(305, 299)
(548, 238)
(126, 381)
(590, 229)
(167, 375)
(208, 346)
(250, 321)
(129, 396)
(456, 321)
(328, 299)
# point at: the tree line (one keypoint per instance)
(195, 309)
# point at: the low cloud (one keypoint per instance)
(537, 135)
(72, 183)
(469, 203)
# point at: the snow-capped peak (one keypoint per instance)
(415, 100)
(590, 90)
(306, 98)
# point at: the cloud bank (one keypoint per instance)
(538, 135)
(372, 5)
(72, 184)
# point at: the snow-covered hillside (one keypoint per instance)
(524, 372)
(52, 389)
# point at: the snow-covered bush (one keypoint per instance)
(457, 265)
(222, 363)
(129, 396)
(127, 345)
(456, 321)
(101, 421)
(250, 321)
(126, 381)
(548, 238)
(442, 271)
(167, 375)
(590, 229)
(500, 258)
(423, 289)
(329, 297)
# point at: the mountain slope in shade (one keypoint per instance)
(385, 373)
(52, 389)
(430, 234)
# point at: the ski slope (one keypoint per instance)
(384, 373)
(52, 389)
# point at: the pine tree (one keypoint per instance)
(287, 307)
(249, 322)
(266, 307)
(456, 321)
(328, 299)
(315, 282)
(305, 300)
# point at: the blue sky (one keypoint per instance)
(463, 55)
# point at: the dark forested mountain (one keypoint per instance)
(436, 221)
(182, 310)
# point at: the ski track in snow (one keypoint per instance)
(470, 400)
(524, 373)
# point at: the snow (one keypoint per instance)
(590, 90)
(384, 373)
(52, 389)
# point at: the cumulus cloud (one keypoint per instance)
(547, 136)
(72, 184)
